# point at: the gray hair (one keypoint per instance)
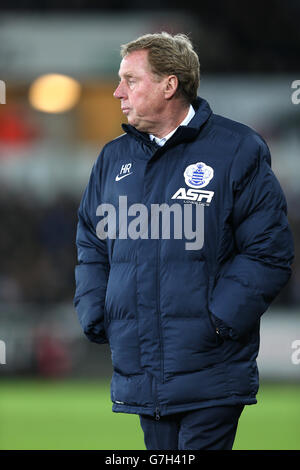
(170, 55)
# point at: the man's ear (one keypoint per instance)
(171, 86)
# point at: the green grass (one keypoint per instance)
(274, 422)
(77, 415)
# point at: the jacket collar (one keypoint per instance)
(183, 133)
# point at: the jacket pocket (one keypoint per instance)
(217, 336)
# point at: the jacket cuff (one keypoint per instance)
(222, 329)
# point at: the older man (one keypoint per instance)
(181, 318)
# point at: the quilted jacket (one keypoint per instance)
(182, 318)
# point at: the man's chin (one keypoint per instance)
(132, 121)
(137, 124)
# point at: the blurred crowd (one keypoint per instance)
(38, 251)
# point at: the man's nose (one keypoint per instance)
(119, 91)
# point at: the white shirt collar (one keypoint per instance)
(185, 122)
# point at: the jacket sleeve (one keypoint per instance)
(251, 280)
(91, 272)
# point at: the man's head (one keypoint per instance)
(156, 70)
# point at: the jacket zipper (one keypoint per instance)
(156, 412)
(155, 147)
(159, 313)
(156, 402)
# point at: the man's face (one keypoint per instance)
(142, 95)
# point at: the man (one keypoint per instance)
(181, 317)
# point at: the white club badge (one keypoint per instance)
(198, 175)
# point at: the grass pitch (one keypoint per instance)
(67, 415)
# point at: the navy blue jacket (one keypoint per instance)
(156, 302)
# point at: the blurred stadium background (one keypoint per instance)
(54, 391)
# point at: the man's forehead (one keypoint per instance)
(136, 60)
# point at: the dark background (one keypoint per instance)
(249, 40)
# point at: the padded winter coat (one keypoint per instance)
(182, 323)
